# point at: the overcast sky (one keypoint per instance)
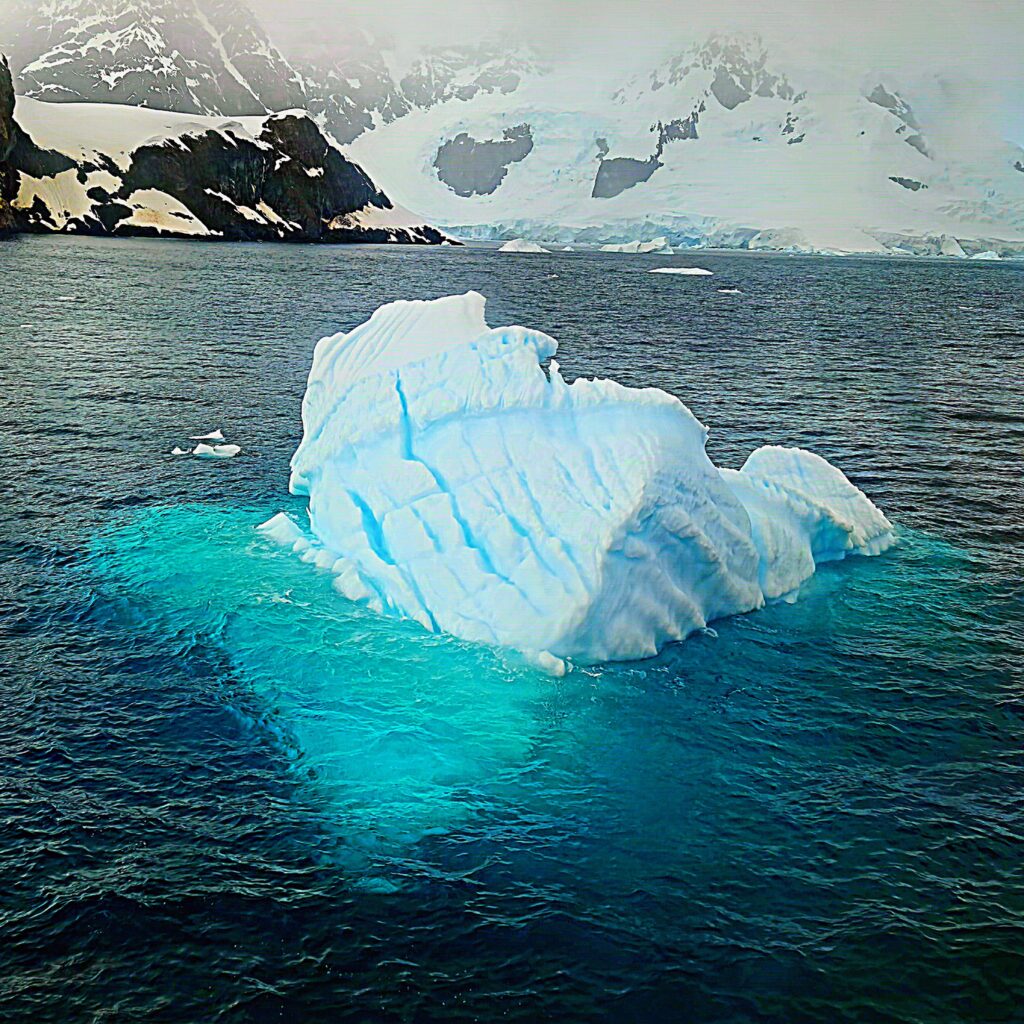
(982, 41)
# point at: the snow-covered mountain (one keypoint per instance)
(191, 56)
(720, 145)
(105, 169)
(726, 141)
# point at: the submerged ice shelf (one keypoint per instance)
(452, 481)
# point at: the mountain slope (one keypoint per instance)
(191, 56)
(103, 169)
(721, 145)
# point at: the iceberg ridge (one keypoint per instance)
(452, 481)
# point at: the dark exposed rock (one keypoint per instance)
(740, 71)
(8, 176)
(288, 183)
(895, 103)
(682, 128)
(1018, 166)
(909, 183)
(353, 88)
(619, 173)
(471, 166)
(727, 90)
(917, 141)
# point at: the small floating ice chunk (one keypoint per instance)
(988, 254)
(180, 451)
(682, 271)
(214, 435)
(729, 291)
(522, 245)
(216, 451)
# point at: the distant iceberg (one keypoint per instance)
(684, 271)
(655, 245)
(452, 481)
(521, 245)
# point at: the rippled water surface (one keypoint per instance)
(228, 795)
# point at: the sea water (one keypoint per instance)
(229, 794)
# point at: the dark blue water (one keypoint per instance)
(227, 795)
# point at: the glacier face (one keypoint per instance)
(452, 481)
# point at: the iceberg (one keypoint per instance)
(682, 271)
(213, 435)
(452, 481)
(521, 245)
(216, 451)
(655, 245)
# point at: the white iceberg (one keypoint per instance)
(214, 435)
(453, 482)
(949, 246)
(729, 291)
(683, 271)
(655, 245)
(216, 451)
(988, 254)
(176, 450)
(521, 245)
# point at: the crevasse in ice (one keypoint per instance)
(452, 481)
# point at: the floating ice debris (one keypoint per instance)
(729, 291)
(568, 248)
(988, 254)
(180, 451)
(216, 451)
(521, 245)
(214, 435)
(452, 481)
(683, 271)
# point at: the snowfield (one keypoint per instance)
(793, 154)
(452, 481)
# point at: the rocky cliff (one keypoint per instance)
(104, 169)
(8, 177)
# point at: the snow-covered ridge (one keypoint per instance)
(124, 170)
(430, 499)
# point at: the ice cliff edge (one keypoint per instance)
(454, 482)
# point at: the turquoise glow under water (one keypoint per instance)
(403, 734)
